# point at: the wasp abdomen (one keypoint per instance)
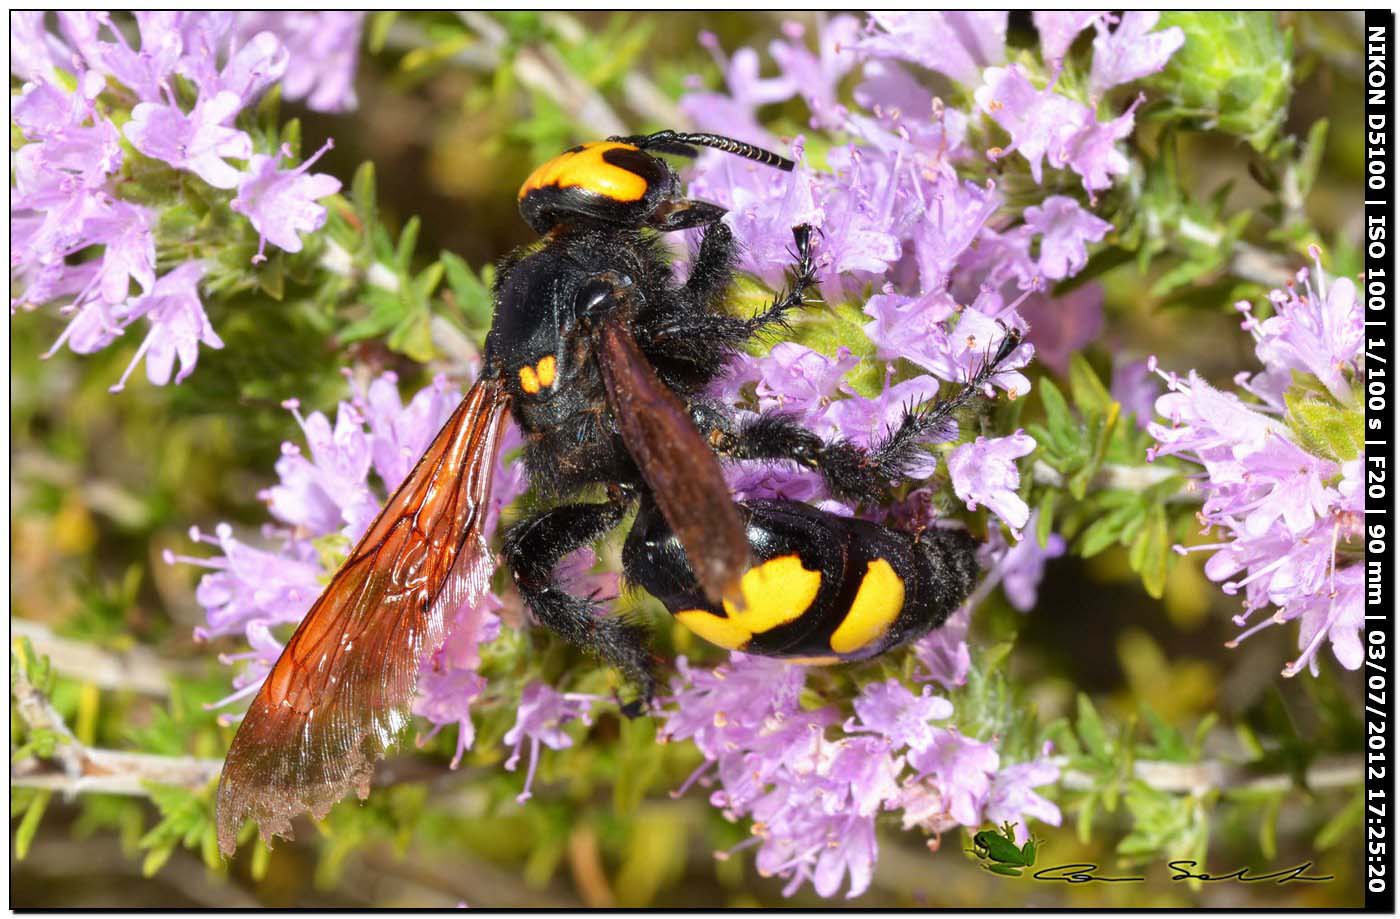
(821, 586)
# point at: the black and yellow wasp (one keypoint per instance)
(603, 358)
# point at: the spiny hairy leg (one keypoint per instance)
(854, 472)
(534, 547)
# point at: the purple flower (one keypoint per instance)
(260, 62)
(1134, 386)
(282, 203)
(1058, 30)
(956, 44)
(1065, 229)
(543, 713)
(251, 585)
(1046, 126)
(1012, 797)
(735, 111)
(890, 709)
(34, 51)
(1316, 329)
(815, 76)
(962, 768)
(323, 53)
(984, 473)
(1092, 150)
(943, 653)
(198, 142)
(956, 213)
(1040, 122)
(178, 326)
(328, 492)
(800, 381)
(1022, 566)
(1129, 52)
(813, 787)
(147, 71)
(399, 434)
(65, 198)
(1062, 326)
(1284, 515)
(449, 683)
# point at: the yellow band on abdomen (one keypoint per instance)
(877, 605)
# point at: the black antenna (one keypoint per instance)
(684, 144)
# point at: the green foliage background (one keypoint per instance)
(1249, 152)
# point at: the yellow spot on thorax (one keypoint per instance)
(532, 379)
(774, 593)
(878, 602)
(585, 168)
(545, 370)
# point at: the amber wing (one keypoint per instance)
(675, 461)
(342, 689)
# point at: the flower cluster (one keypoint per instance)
(953, 267)
(325, 499)
(813, 783)
(77, 237)
(1282, 477)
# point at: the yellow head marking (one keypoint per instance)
(774, 593)
(584, 167)
(528, 380)
(545, 371)
(877, 603)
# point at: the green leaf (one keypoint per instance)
(1149, 550)
(1268, 826)
(378, 32)
(1084, 825)
(1310, 160)
(1325, 428)
(387, 310)
(1108, 529)
(413, 337)
(1086, 388)
(1090, 728)
(1058, 418)
(470, 293)
(1044, 522)
(408, 240)
(363, 197)
(1345, 824)
(1234, 73)
(29, 824)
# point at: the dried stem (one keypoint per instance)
(1197, 778)
(1124, 478)
(138, 670)
(77, 768)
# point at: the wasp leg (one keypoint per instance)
(712, 270)
(534, 547)
(700, 332)
(853, 472)
(804, 275)
(684, 213)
